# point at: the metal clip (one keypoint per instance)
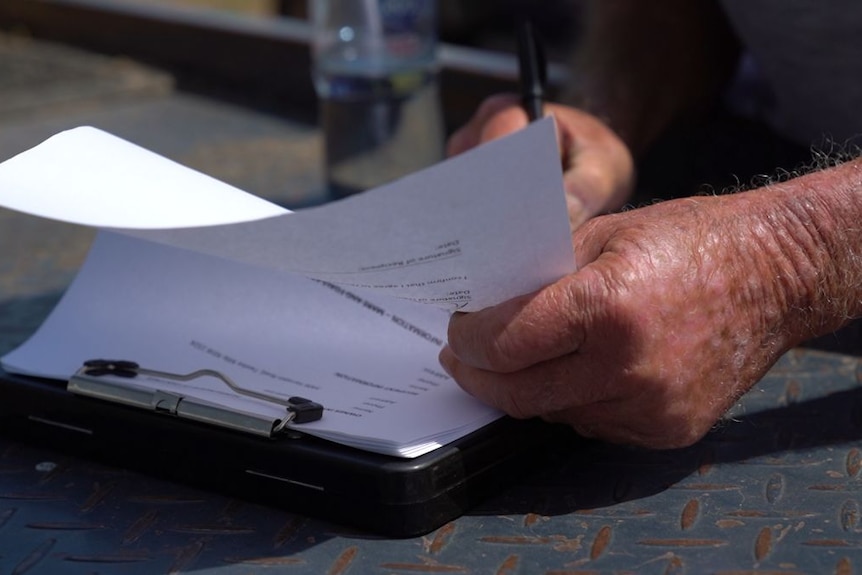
(299, 409)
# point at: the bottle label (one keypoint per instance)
(390, 53)
(409, 27)
(407, 16)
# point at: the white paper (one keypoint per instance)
(467, 233)
(87, 176)
(470, 232)
(371, 363)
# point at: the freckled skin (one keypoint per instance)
(679, 308)
(675, 311)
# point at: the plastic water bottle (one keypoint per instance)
(375, 73)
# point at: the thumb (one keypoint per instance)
(525, 330)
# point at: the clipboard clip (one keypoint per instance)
(90, 381)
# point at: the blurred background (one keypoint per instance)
(478, 23)
(224, 86)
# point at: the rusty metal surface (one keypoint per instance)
(776, 489)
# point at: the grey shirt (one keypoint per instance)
(810, 54)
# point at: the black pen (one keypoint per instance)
(533, 70)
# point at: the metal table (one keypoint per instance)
(774, 489)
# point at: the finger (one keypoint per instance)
(598, 168)
(578, 390)
(506, 121)
(472, 133)
(544, 389)
(526, 330)
(574, 390)
(600, 185)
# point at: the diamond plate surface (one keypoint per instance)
(776, 489)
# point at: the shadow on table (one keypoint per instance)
(583, 475)
(580, 474)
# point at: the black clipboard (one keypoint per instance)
(300, 473)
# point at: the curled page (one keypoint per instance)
(89, 177)
(327, 303)
(465, 234)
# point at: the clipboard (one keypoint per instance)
(388, 495)
(165, 277)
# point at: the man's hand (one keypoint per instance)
(676, 310)
(598, 171)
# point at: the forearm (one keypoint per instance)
(642, 66)
(815, 249)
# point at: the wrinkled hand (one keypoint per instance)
(674, 312)
(598, 171)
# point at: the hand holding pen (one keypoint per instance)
(598, 171)
(496, 116)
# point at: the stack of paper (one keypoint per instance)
(346, 304)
